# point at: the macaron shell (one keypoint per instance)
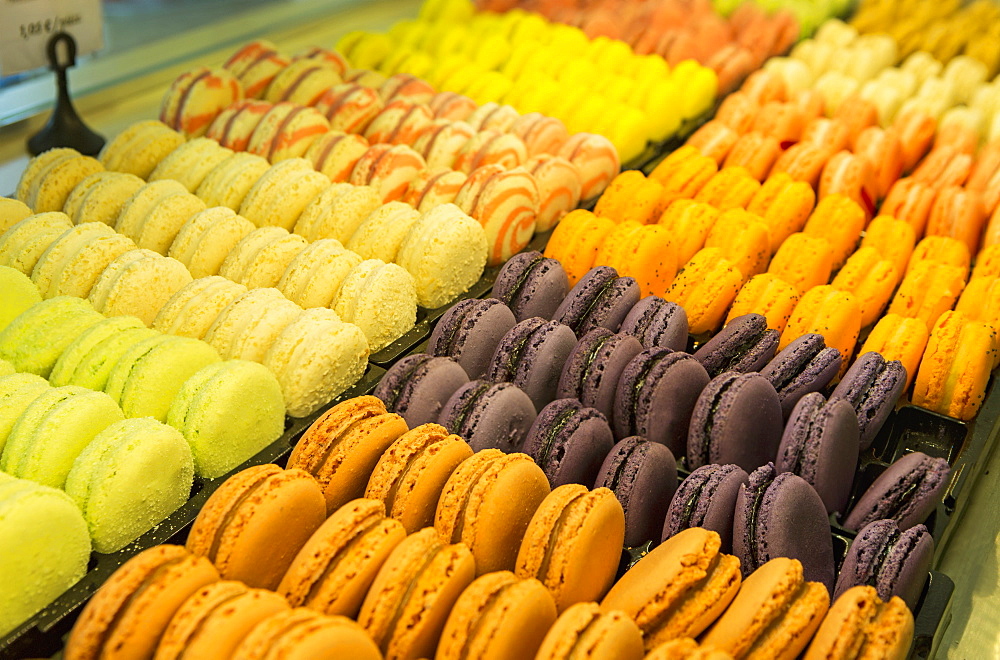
(531, 285)
(470, 331)
(335, 568)
(489, 415)
(301, 634)
(643, 476)
(573, 544)
(716, 489)
(907, 491)
(858, 618)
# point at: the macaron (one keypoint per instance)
(237, 529)
(955, 366)
(48, 271)
(594, 367)
(115, 465)
(745, 344)
(207, 238)
(706, 498)
(418, 584)
(487, 504)
(794, 528)
(569, 441)
(678, 589)
(380, 299)
(100, 197)
(18, 294)
(585, 628)
(821, 444)
(643, 476)
(418, 386)
(196, 97)
(531, 355)
(805, 365)
(573, 543)
(38, 524)
(336, 566)
(872, 386)
(736, 420)
(228, 411)
(228, 183)
(489, 415)
(907, 492)
(189, 163)
(896, 337)
(34, 340)
(412, 472)
(342, 447)
(315, 275)
(705, 287)
(138, 283)
(860, 618)
(657, 323)
(499, 615)
(894, 562)
(469, 333)
(213, 622)
(134, 606)
(282, 193)
(575, 241)
(775, 614)
(599, 299)
(303, 633)
(871, 279)
(531, 285)
(506, 204)
(689, 223)
(22, 245)
(833, 314)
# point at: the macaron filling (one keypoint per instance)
(717, 400)
(878, 563)
(220, 529)
(555, 532)
(754, 519)
(515, 353)
(596, 299)
(591, 357)
(472, 398)
(515, 291)
(560, 424)
(637, 387)
(333, 564)
(429, 555)
(691, 503)
(623, 462)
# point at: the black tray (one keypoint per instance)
(42, 634)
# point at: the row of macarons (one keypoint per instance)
(732, 45)
(599, 86)
(90, 261)
(105, 369)
(290, 193)
(189, 609)
(304, 110)
(945, 29)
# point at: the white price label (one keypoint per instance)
(27, 25)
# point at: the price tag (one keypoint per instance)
(27, 25)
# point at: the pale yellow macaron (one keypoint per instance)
(139, 152)
(81, 269)
(138, 283)
(48, 271)
(228, 183)
(244, 311)
(191, 311)
(36, 165)
(281, 194)
(379, 298)
(134, 210)
(315, 276)
(269, 263)
(23, 244)
(191, 162)
(236, 265)
(101, 196)
(381, 233)
(12, 211)
(52, 184)
(339, 215)
(207, 238)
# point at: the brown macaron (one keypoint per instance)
(336, 566)
(215, 620)
(774, 615)
(342, 447)
(302, 634)
(412, 473)
(678, 589)
(129, 613)
(573, 543)
(252, 527)
(409, 601)
(498, 616)
(585, 631)
(487, 504)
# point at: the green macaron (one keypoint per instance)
(17, 391)
(35, 339)
(93, 369)
(53, 430)
(147, 378)
(228, 412)
(17, 293)
(45, 547)
(66, 365)
(134, 473)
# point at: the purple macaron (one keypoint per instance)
(820, 444)
(569, 441)
(531, 285)
(656, 394)
(894, 562)
(806, 365)
(417, 386)
(594, 367)
(657, 323)
(736, 420)
(470, 331)
(600, 299)
(872, 386)
(745, 344)
(489, 415)
(531, 355)
(707, 498)
(906, 492)
(643, 476)
(781, 515)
